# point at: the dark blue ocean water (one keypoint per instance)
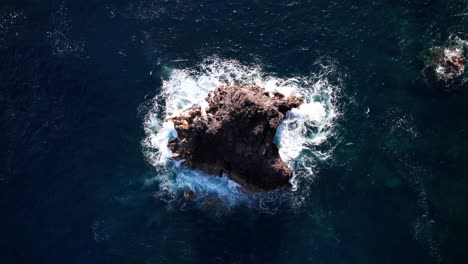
(76, 82)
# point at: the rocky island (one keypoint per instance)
(234, 136)
(448, 62)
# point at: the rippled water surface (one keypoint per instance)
(378, 150)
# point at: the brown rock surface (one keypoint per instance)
(235, 136)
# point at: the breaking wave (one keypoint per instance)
(301, 137)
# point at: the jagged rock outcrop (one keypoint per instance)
(448, 62)
(235, 137)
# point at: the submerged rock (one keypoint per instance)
(234, 136)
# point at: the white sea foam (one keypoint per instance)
(452, 51)
(450, 54)
(303, 128)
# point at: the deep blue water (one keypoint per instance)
(76, 82)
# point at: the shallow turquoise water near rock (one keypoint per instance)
(77, 82)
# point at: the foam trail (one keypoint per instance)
(309, 125)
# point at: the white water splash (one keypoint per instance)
(450, 54)
(310, 124)
(303, 128)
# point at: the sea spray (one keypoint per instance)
(303, 128)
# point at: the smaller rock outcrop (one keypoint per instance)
(235, 136)
(448, 62)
